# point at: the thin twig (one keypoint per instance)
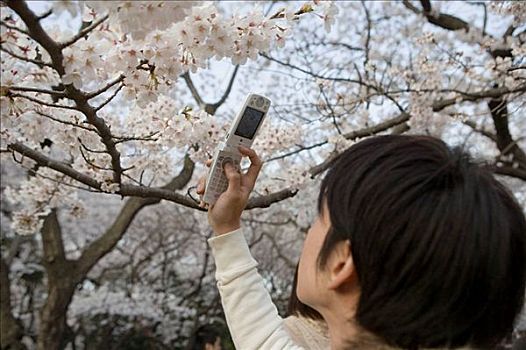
(36, 173)
(301, 149)
(26, 59)
(332, 114)
(20, 30)
(223, 98)
(110, 98)
(89, 149)
(66, 122)
(106, 87)
(473, 126)
(37, 90)
(83, 32)
(90, 163)
(193, 89)
(149, 137)
(354, 135)
(32, 99)
(45, 15)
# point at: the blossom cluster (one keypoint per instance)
(515, 8)
(36, 197)
(150, 44)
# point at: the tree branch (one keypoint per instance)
(497, 92)
(149, 137)
(26, 59)
(104, 244)
(442, 20)
(200, 279)
(505, 143)
(345, 45)
(301, 149)
(483, 132)
(125, 190)
(312, 74)
(54, 257)
(277, 249)
(193, 90)
(43, 103)
(426, 5)
(9, 26)
(211, 108)
(45, 14)
(266, 200)
(151, 193)
(508, 171)
(106, 87)
(58, 94)
(61, 167)
(367, 39)
(66, 122)
(37, 33)
(55, 52)
(83, 32)
(401, 119)
(109, 99)
(450, 22)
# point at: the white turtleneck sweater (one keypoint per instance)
(252, 318)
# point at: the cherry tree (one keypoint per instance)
(96, 110)
(121, 108)
(412, 67)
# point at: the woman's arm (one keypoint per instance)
(252, 318)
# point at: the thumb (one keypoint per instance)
(233, 176)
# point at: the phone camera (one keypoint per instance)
(260, 101)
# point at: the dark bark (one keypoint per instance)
(505, 143)
(497, 104)
(60, 286)
(11, 330)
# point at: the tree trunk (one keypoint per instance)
(63, 275)
(11, 329)
(60, 285)
(52, 327)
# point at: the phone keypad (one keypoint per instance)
(219, 182)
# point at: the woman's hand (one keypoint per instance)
(225, 215)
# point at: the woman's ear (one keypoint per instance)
(341, 266)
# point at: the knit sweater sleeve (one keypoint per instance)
(251, 316)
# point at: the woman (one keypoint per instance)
(415, 246)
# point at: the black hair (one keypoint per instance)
(439, 245)
(206, 334)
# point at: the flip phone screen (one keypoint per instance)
(249, 123)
